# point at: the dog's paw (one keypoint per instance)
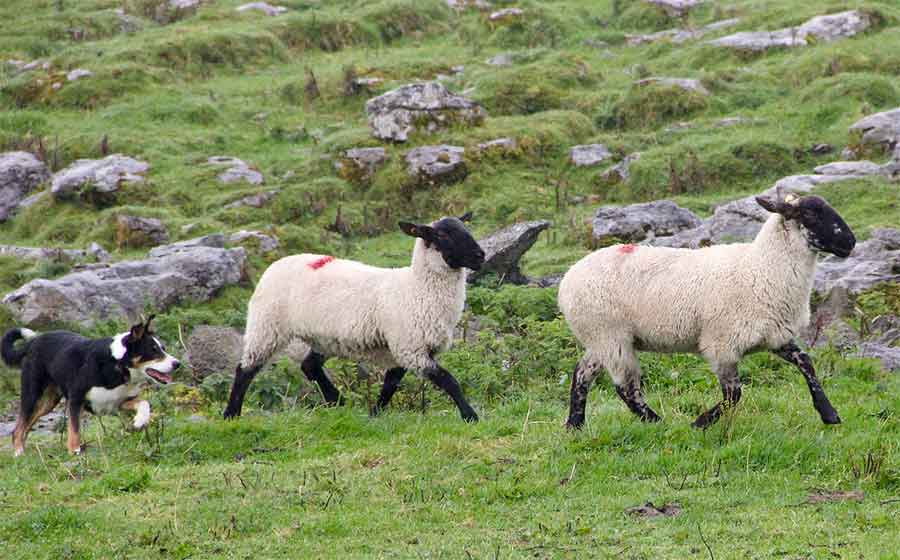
(142, 417)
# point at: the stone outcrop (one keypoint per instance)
(422, 107)
(825, 28)
(102, 175)
(170, 275)
(639, 221)
(437, 164)
(20, 174)
(504, 249)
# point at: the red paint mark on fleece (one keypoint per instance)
(627, 249)
(320, 262)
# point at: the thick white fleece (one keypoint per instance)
(385, 316)
(720, 301)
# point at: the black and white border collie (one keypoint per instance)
(102, 376)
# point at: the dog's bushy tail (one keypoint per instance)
(11, 355)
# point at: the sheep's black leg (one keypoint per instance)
(312, 366)
(442, 378)
(791, 353)
(242, 379)
(582, 378)
(731, 394)
(631, 394)
(392, 379)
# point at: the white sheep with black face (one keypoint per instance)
(721, 302)
(399, 318)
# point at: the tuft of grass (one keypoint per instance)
(652, 105)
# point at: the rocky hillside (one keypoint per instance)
(156, 155)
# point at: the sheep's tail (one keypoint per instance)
(11, 355)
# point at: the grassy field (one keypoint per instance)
(292, 478)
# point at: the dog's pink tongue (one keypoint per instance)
(159, 376)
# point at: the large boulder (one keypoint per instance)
(504, 248)
(122, 290)
(134, 231)
(20, 173)
(820, 28)
(638, 221)
(213, 349)
(879, 128)
(437, 164)
(875, 261)
(427, 107)
(52, 254)
(102, 175)
(832, 27)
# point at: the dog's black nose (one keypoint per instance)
(176, 365)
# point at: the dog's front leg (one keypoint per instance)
(141, 410)
(74, 439)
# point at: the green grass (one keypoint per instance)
(333, 482)
(294, 479)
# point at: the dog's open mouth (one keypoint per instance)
(159, 376)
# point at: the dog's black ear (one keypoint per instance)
(147, 322)
(137, 332)
(467, 217)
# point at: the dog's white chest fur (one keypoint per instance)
(108, 401)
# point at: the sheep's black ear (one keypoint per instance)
(467, 217)
(769, 205)
(415, 230)
(789, 211)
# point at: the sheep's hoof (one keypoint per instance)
(831, 418)
(705, 420)
(574, 424)
(469, 416)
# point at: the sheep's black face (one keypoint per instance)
(457, 245)
(823, 227)
(449, 236)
